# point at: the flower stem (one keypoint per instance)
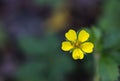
(96, 60)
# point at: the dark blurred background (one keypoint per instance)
(31, 32)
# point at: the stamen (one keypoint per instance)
(77, 44)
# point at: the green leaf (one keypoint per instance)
(110, 18)
(31, 71)
(49, 68)
(49, 64)
(115, 55)
(111, 40)
(108, 69)
(97, 33)
(32, 45)
(110, 26)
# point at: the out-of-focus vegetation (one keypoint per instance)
(31, 36)
(107, 49)
(110, 40)
(46, 61)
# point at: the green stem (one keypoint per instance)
(96, 60)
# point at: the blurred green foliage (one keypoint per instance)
(108, 69)
(3, 35)
(52, 3)
(107, 41)
(52, 65)
(45, 60)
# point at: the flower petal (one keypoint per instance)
(77, 54)
(66, 46)
(83, 36)
(71, 35)
(87, 47)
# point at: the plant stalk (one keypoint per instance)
(96, 66)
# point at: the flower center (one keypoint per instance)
(77, 44)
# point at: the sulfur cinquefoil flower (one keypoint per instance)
(77, 44)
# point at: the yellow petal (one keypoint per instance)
(77, 54)
(71, 35)
(87, 47)
(83, 36)
(66, 46)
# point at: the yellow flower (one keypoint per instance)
(77, 44)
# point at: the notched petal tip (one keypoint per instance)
(66, 46)
(71, 35)
(77, 54)
(83, 36)
(87, 47)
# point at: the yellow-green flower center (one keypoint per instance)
(77, 44)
